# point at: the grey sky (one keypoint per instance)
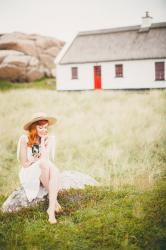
(64, 18)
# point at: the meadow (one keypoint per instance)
(119, 138)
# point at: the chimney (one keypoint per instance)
(146, 22)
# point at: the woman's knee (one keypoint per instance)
(47, 164)
(52, 166)
(44, 163)
(54, 170)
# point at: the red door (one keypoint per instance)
(97, 77)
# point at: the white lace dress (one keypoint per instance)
(29, 176)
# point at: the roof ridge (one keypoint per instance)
(119, 29)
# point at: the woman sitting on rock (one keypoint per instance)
(36, 151)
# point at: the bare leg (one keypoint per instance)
(45, 176)
(52, 182)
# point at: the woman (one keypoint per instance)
(37, 167)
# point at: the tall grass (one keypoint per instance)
(118, 137)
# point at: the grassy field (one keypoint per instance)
(117, 137)
(43, 83)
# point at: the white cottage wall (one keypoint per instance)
(137, 74)
(65, 82)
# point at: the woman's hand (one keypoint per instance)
(36, 157)
(44, 140)
(44, 145)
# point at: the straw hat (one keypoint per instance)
(38, 117)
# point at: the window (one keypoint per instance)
(74, 72)
(119, 70)
(159, 71)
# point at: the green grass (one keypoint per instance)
(117, 137)
(44, 83)
(94, 218)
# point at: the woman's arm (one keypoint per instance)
(23, 154)
(44, 147)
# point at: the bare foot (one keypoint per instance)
(52, 218)
(58, 208)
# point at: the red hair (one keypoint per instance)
(32, 133)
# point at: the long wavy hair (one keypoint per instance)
(32, 132)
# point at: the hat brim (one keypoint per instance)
(51, 121)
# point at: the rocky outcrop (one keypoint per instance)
(27, 57)
(69, 179)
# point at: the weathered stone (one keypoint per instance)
(14, 73)
(6, 53)
(69, 179)
(17, 60)
(47, 61)
(34, 74)
(34, 61)
(32, 54)
(53, 51)
(53, 72)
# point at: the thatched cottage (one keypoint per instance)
(130, 57)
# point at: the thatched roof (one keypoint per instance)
(124, 43)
